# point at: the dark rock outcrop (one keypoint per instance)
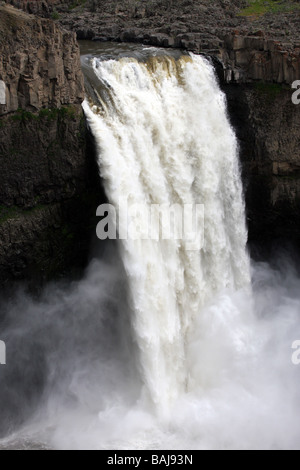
(250, 58)
(262, 48)
(268, 127)
(47, 184)
(36, 7)
(193, 24)
(39, 63)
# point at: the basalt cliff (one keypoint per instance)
(46, 179)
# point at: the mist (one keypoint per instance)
(72, 379)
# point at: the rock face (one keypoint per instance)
(250, 58)
(47, 184)
(39, 63)
(36, 7)
(264, 48)
(268, 127)
(194, 24)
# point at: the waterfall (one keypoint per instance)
(163, 138)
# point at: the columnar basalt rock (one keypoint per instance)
(250, 58)
(46, 187)
(268, 127)
(39, 63)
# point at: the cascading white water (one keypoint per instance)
(162, 134)
(163, 137)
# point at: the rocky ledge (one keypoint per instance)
(250, 47)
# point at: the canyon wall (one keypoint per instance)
(268, 128)
(258, 60)
(47, 182)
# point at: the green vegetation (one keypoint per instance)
(23, 116)
(32, 122)
(49, 114)
(270, 91)
(65, 113)
(77, 3)
(260, 7)
(55, 15)
(7, 213)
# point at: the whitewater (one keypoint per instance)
(161, 346)
(163, 138)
